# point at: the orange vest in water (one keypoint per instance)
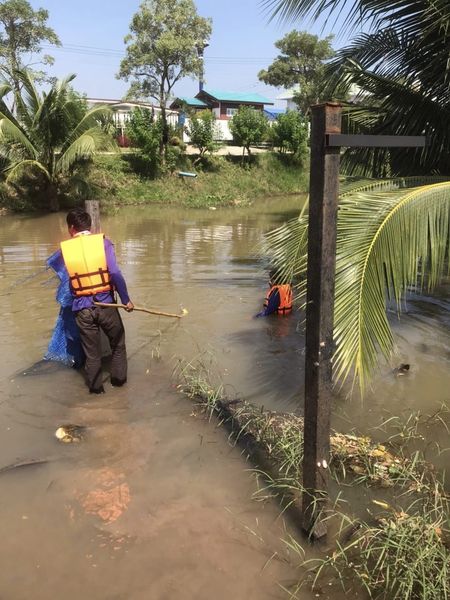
(85, 260)
(285, 292)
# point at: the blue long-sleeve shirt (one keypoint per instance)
(272, 304)
(117, 279)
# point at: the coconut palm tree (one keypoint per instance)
(393, 237)
(50, 135)
(402, 67)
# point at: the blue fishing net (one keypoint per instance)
(65, 344)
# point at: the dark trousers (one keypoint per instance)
(90, 321)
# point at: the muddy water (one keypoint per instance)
(155, 503)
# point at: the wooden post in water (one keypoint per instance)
(93, 208)
(323, 202)
(326, 143)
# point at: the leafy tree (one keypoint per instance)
(290, 134)
(145, 133)
(301, 63)
(392, 237)
(22, 30)
(248, 127)
(401, 69)
(51, 135)
(203, 132)
(161, 50)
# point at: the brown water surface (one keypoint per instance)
(155, 503)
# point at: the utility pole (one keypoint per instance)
(200, 51)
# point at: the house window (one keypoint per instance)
(231, 112)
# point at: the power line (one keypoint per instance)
(114, 53)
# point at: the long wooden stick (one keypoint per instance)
(139, 308)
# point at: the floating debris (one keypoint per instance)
(69, 434)
(280, 437)
(24, 463)
(401, 369)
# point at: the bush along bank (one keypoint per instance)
(400, 552)
(120, 179)
(221, 181)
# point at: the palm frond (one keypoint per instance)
(24, 167)
(380, 113)
(5, 89)
(287, 247)
(13, 136)
(83, 147)
(5, 111)
(389, 242)
(90, 121)
(27, 101)
(52, 117)
(411, 16)
(391, 53)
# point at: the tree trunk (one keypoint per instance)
(165, 129)
(52, 197)
(165, 135)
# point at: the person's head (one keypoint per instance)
(78, 220)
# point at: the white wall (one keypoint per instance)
(122, 111)
(223, 131)
(291, 105)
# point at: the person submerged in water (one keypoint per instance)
(94, 277)
(278, 299)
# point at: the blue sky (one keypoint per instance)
(92, 33)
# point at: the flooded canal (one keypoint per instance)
(155, 503)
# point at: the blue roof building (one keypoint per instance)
(191, 102)
(273, 113)
(226, 104)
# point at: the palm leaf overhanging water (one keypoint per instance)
(393, 238)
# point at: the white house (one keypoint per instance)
(122, 110)
(288, 97)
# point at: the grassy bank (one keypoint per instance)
(222, 182)
(399, 551)
(118, 180)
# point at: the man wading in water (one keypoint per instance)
(94, 276)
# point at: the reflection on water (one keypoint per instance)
(154, 499)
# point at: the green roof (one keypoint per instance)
(191, 101)
(236, 97)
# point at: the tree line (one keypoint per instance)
(399, 71)
(48, 135)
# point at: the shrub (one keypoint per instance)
(289, 134)
(248, 127)
(202, 131)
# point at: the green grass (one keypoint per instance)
(401, 551)
(117, 180)
(398, 555)
(223, 182)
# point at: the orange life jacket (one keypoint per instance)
(85, 260)
(285, 292)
